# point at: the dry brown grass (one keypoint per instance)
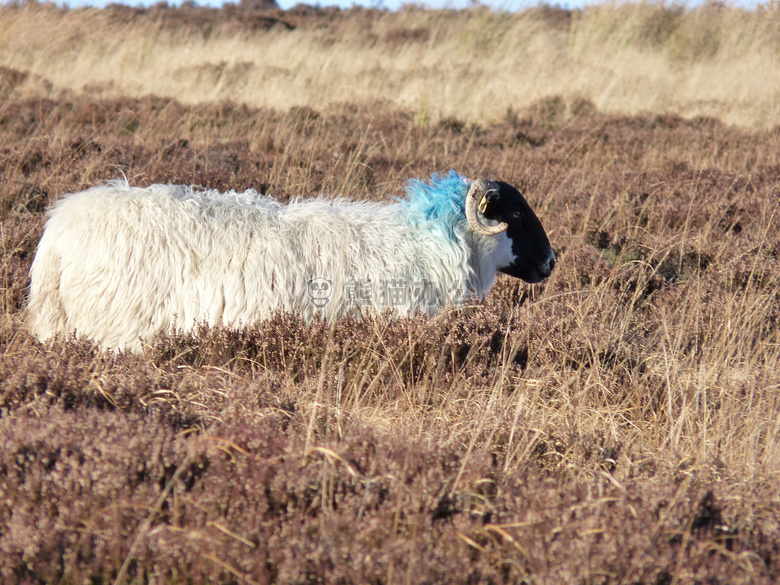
(619, 423)
(712, 60)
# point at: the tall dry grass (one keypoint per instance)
(619, 423)
(712, 60)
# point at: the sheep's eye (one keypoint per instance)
(517, 214)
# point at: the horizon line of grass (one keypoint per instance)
(624, 58)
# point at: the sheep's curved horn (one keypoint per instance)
(479, 189)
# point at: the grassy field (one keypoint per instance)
(713, 61)
(618, 423)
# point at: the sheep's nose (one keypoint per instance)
(549, 264)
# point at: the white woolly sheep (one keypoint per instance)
(118, 263)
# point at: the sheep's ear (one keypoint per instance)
(482, 194)
(489, 199)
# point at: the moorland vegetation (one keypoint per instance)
(618, 423)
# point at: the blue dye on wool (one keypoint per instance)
(441, 200)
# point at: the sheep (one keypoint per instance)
(118, 264)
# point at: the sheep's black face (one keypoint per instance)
(534, 258)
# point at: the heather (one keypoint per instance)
(618, 423)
